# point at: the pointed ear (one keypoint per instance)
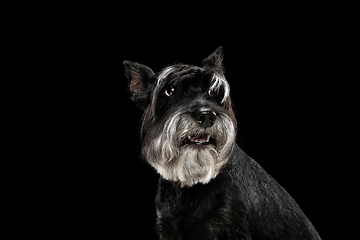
(214, 60)
(140, 78)
(139, 75)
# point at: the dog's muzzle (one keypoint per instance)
(190, 147)
(205, 119)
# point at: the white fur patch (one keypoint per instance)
(165, 73)
(189, 164)
(216, 82)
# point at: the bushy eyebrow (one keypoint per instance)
(217, 81)
(177, 73)
(164, 73)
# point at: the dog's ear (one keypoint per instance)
(214, 61)
(140, 79)
(139, 75)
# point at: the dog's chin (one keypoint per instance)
(199, 147)
(195, 164)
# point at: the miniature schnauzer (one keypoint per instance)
(208, 188)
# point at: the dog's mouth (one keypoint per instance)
(199, 140)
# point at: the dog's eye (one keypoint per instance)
(213, 93)
(170, 91)
(217, 95)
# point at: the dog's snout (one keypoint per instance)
(205, 118)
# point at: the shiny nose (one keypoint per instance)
(205, 118)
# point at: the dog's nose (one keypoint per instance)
(205, 118)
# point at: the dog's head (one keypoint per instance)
(189, 127)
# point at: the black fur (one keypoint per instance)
(242, 201)
(140, 81)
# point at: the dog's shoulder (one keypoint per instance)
(270, 209)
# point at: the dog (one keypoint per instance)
(208, 187)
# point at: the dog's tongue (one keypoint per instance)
(200, 139)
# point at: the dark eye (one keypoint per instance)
(170, 91)
(217, 94)
(213, 93)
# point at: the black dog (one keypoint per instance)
(209, 188)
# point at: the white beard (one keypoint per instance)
(190, 164)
